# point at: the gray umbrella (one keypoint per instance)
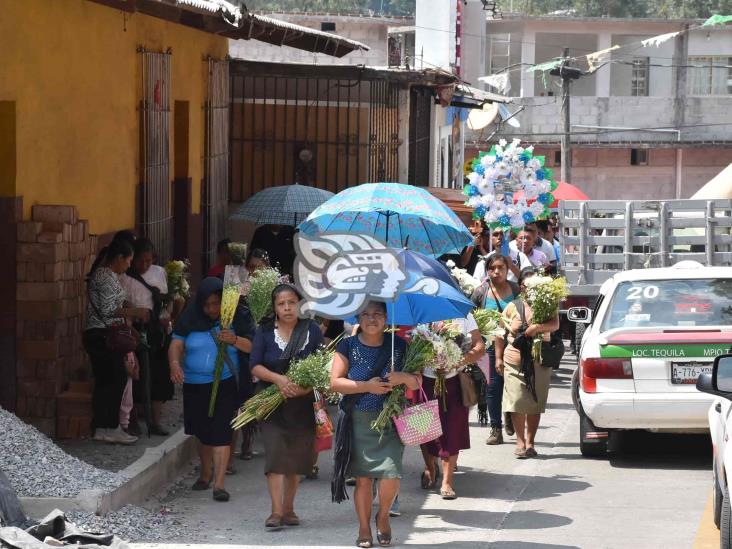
(283, 205)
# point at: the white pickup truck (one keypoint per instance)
(600, 238)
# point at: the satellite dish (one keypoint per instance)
(479, 119)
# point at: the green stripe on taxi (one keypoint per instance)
(663, 351)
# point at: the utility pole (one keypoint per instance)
(566, 142)
(566, 73)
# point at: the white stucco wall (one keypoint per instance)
(371, 31)
(435, 33)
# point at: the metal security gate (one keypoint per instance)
(215, 190)
(420, 124)
(155, 220)
(317, 126)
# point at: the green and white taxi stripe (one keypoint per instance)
(664, 351)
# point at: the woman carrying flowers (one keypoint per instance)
(362, 372)
(495, 294)
(289, 432)
(526, 380)
(441, 382)
(197, 334)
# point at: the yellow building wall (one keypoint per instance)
(73, 71)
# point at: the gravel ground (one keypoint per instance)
(36, 467)
(132, 523)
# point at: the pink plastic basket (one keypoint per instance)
(419, 424)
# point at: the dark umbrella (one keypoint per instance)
(282, 205)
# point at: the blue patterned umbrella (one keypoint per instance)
(283, 205)
(402, 216)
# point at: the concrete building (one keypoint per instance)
(370, 30)
(683, 86)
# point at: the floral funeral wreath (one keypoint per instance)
(496, 179)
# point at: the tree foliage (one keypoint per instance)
(666, 9)
(386, 7)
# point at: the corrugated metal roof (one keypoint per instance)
(251, 26)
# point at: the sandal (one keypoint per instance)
(448, 494)
(200, 485)
(273, 521)
(429, 480)
(364, 542)
(383, 538)
(531, 453)
(520, 453)
(291, 519)
(313, 474)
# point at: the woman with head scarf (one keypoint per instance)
(289, 433)
(525, 380)
(196, 334)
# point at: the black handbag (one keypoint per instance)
(119, 338)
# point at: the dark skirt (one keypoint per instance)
(211, 431)
(454, 420)
(289, 438)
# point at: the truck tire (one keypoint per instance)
(591, 447)
(725, 529)
(717, 498)
(579, 331)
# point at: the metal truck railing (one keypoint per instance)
(602, 237)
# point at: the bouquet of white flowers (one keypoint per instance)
(177, 272)
(447, 339)
(468, 283)
(543, 294)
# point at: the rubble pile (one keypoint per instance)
(132, 523)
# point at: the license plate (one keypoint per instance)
(686, 373)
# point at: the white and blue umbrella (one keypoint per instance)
(402, 216)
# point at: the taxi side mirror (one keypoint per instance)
(719, 382)
(581, 315)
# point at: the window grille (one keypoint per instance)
(639, 77)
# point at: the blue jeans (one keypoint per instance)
(494, 392)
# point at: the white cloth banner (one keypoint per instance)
(660, 39)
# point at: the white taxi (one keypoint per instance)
(650, 336)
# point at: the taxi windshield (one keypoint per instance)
(673, 303)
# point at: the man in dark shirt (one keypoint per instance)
(277, 241)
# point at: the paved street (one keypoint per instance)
(651, 495)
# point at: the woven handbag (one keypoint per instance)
(419, 424)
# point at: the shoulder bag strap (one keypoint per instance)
(522, 313)
(498, 303)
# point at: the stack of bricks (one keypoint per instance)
(54, 253)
